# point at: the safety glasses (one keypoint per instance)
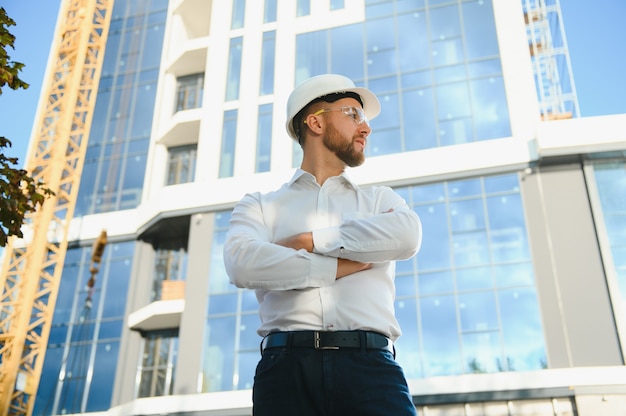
(356, 113)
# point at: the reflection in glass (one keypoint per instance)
(440, 337)
(345, 58)
(480, 36)
(84, 340)
(521, 329)
(476, 294)
(482, 352)
(474, 278)
(477, 311)
(408, 343)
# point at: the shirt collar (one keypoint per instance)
(300, 174)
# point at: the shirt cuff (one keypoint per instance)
(323, 271)
(326, 240)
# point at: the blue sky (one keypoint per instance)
(595, 34)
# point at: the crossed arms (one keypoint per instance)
(316, 258)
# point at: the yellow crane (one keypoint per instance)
(32, 267)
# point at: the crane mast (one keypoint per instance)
(32, 267)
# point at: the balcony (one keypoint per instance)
(161, 314)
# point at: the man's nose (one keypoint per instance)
(365, 129)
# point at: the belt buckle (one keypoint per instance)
(317, 343)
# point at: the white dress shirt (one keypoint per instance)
(297, 290)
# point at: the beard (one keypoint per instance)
(344, 150)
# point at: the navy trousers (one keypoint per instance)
(346, 382)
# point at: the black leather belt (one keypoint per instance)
(327, 340)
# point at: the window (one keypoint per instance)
(181, 164)
(170, 265)
(234, 69)
(229, 136)
(268, 54)
(239, 11)
(189, 92)
(269, 11)
(303, 8)
(264, 138)
(157, 368)
(337, 4)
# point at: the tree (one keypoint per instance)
(20, 192)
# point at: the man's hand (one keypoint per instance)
(346, 267)
(305, 241)
(298, 242)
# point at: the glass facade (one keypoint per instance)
(114, 169)
(79, 370)
(467, 303)
(231, 343)
(435, 67)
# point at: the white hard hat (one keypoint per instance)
(322, 85)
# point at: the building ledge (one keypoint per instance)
(581, 135)
(607, 384)
(162, 314)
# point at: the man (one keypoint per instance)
(320, 252)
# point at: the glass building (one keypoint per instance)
(516, 303)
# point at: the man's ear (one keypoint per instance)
(315, 123)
